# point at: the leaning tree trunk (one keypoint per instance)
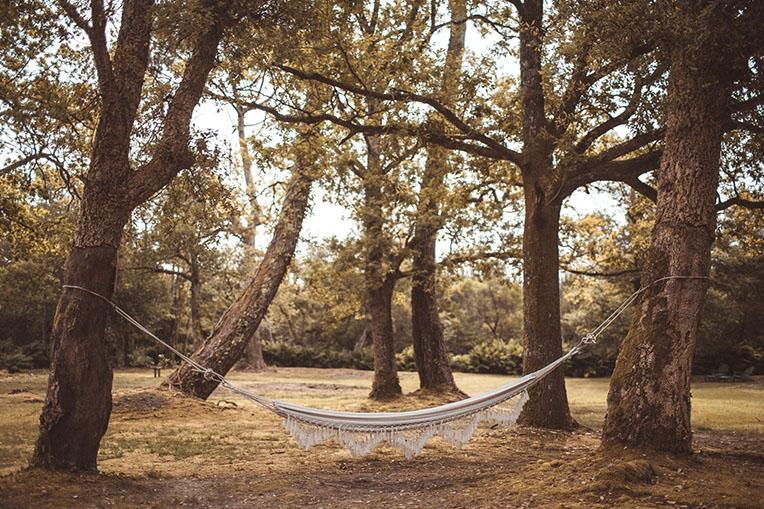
(649, 398)
(225, 346)
(78, 402)
(430, 353)
(542, 338)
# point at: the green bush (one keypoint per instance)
(405, 359)
(280, 353)
(15, 358)
(495, 356)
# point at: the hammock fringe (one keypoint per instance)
(408, 441)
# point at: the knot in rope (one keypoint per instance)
(209, 374)
(589, 339)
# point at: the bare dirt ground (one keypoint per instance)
(163, 450)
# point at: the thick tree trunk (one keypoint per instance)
(225, 346)
(430, 353)
(386, 384)
(379, 278)
(649, 398)
(78, 402)
(542, 339)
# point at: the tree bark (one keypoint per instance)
(177, 309)
(196, 295)
(430, 352)
(649, 397)
(228, 340)
(78, 401)
(254, 219)
(380, 278)
(542, 338)
(254, 355)
(255, 350)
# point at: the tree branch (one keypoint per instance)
(740, 202)
(406, 96)
(172, 153)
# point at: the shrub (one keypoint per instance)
(494, 356)
(15, 361)
(280, 353)
(405, 359)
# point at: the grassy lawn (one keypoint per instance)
(162, 450)
(721, 407)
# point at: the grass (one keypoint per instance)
(162, 450)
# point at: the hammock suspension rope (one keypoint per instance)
(361, 432)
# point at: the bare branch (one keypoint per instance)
(740, 202)
(405, 96)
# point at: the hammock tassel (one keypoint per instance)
(410, 440)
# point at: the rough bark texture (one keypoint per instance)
(548, 403)
(542, 340)
(230, 337)
(430, 351)
(380, 279)
(78, 401)
(649, 398)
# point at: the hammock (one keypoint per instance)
(360, 433)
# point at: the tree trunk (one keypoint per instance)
(430, 353)
(254, 219)
(380, 298)
(196, 295)
(649, 398)
(255, 351)
(542, 339)
(177, 310)
(254, 355)
(78, 402)
(379, 277)
(225, 346)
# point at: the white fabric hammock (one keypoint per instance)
(360, 433)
